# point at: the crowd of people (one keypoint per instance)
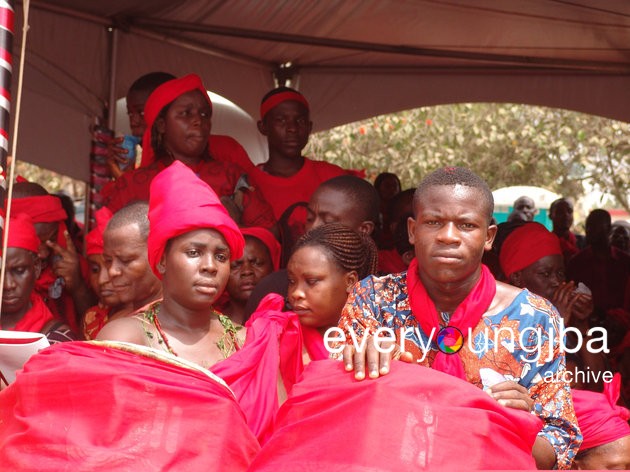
(286, 290)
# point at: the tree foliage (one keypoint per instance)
(564, 151)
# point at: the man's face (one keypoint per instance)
(330, 205)
(527, 206)
(21, 273)
(125, 255)
(135, 110)
(246, 272)
(287, 127)
(562, 216)
(450, 233)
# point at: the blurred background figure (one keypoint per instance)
(527, 206)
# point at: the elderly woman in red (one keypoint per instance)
(178, 116)
(191, 242)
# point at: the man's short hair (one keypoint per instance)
(362, 194)
(451, 176)
(134, 213)
(149, 82)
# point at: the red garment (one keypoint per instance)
(282, 192)
(221, 176)
(36, 318)
(86, 406)
(600, 418)
(274, 342)
(95, 318)
(269, 240)
(227, 149)
(465, 317)
(526, 245)
(42, 209)
(180, 202)
(278, 98)
(414, 418)
(22, 233)
(94, 239)
(569, 246)
(390, 262)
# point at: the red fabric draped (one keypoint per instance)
(274, 344)
(269, 240)
(42, 209)
(525, 245)
(600, 418)
(569, 245)
(180, 202)
(86, 406)
(414, 418)
(162, 96)
(465, 317)
(94, 239)
(22, 233)
(35, 318)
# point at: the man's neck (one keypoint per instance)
(283, 166)
(448, 296)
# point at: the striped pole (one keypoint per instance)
(6, 71)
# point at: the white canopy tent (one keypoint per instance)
(352, 58)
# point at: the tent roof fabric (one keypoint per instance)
(352, 58)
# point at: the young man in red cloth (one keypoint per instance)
(288, 177)
(447, 312)
(561, 215)
(22, 308)
(63, 281)
(178, 115)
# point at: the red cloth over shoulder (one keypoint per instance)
(36, 318)
(87, 406)
(414, 418)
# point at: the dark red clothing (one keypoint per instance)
(607, 279)
(281, 192)
(390, 262)
(221, 176)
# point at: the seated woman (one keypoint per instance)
(109, 303)
(326, 262)
(604, 426)
(22, 307)
(261, 256)
(178, 116)
(531, 258)
(191, 242)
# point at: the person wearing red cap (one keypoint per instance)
(191, 241)
(22, 308)
(108, 299)
(604, 425)
(288, 177)
(63, 281)
(261, 256)
(178, 118)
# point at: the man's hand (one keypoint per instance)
(116, 157)
(511, 395)
(377, 362)
(66, 263)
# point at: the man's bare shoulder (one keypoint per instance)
(504, 297)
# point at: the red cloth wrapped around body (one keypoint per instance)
(88, 406)
(414, 418)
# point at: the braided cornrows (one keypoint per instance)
(349, 249)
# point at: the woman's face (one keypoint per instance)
(544, 276)
(186, 126)
(100, 281)
(610, 456)
(247, 271)
(318, 288)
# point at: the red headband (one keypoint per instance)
(22, 233)
(268, 239)
(525, 245)
(94, 239)
(601, 420)
(276, 99)
(162, 96)
(180, 202)
(41, 209)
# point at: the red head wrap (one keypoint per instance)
(94, 239)
(600, 418)
(180, 202)
(22, 233)
(41, 209)
(278, 98)
(525, 245)
(162, 96)
(268, 239)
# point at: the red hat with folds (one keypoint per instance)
(526, 245)
(268, 239)
(94, 239)
(180, 202)
(22, 233)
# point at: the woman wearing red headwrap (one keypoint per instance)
(178, 116)
(605, 428)
(22, 308)
(191, 242)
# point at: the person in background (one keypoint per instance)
(620, 236)
(526, 205)
(389, 259)
(74, 228)
(561, 215)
